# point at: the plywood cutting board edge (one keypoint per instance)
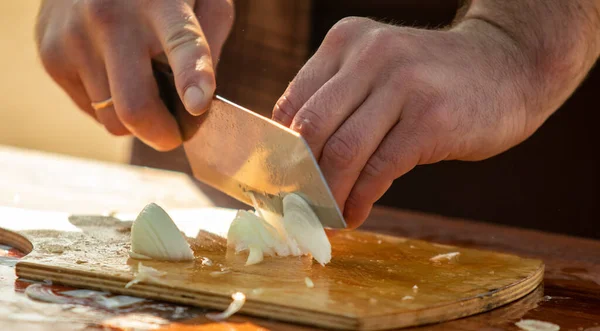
(468, 307)
(158, 292)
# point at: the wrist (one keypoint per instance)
(512, 67)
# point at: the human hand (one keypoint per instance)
(101, 49)
(376, 100)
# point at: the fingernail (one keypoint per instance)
(194, 100)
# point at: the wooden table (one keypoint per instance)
(570, 296)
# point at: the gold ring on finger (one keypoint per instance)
(102, 104)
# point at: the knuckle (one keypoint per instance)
(184, 35)
(284, 110)
(131, 110)
(354, 200)
(381, 37)
(340, 152)
(351, 22)
(75, 36)
(196, 70)
(307, 123)
(375, 45)
(378, 166)
(342, 31)
(357, 199)
(52, 62)
(116, 129)
(103, 13)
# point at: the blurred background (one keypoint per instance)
(34, 112)
(550, 182)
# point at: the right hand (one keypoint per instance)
(100, 49)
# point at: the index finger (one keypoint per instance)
(187, 50)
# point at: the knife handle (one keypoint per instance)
(188, 124)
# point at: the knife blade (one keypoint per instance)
(248, 156)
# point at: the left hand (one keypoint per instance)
(376, 100)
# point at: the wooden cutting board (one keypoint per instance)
(373, 281)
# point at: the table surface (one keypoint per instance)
(569, 297)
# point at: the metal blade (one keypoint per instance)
(245, 154)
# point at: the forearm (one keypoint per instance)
(558, 42)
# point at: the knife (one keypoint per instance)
(248, 156)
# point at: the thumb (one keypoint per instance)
(187, 50)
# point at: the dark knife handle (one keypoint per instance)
(188, 124)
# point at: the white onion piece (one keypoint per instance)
(155, 236)
(309, 283)
(298, 232)
(447, 256)
(303, 225)
(275, 220)
(255, 255)
(535, 325)
(250, 232)
(238, 301)
(145, 274)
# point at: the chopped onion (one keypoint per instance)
(407, 297)
(298, 232)
(303, 225)
(415, 289)
(535, 325)
(154, 235)
(144, 274)
(248, 230)
(447, 256)
(238, 301)
(309, 283)
(255, 255)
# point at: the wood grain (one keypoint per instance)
(569, 297)
(361, 289)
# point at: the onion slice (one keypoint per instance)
(238, 301)
(154, 235)
(309, 283)
(447, 257)
(298, 232)
(250, 232)
(304, 226)
(535, 325)
(145, 274)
